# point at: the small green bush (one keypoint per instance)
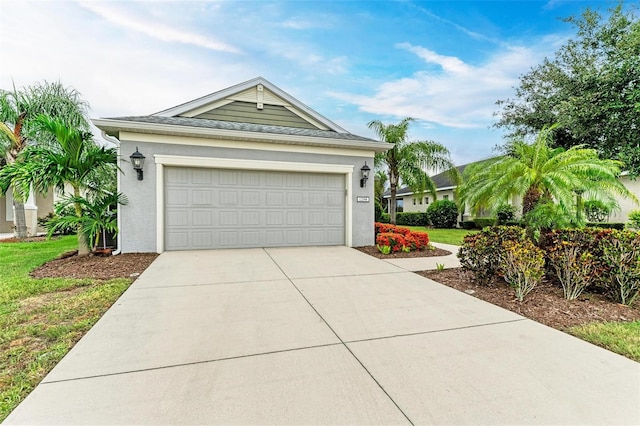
(483, 222)
(385, 218)
(634, 220)
(522, 265)
(505, 213)
(412, 219)
(443, 214)
(483, 253)
(467, 224)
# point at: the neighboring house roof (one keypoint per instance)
(441, 182)
(254, 110)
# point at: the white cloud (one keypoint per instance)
(125, 19)
(458, 95)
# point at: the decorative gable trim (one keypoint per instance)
(243, 91)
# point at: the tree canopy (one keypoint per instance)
(541, 174)
(590, 88)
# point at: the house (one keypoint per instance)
(38, 205)
(248, 166)
(406, 201)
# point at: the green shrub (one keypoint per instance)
(483, 222)
(412, 219)
(468, 224)
(505, 213)
(522, 265)
(621, 259)
(596, 211)
(385, 218)
(606, 225)
(571, 259)
(634, 220)
(482, 253)
(443, 214)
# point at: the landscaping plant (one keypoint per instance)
(483, 253)
(634, 220)
(391, 239)
(621, 257)
(522, 266)
(571, 259)
(443, 214)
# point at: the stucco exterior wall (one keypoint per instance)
(138, 218)
(626, 205)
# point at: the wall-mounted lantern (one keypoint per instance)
(137, 160)
(364, 173)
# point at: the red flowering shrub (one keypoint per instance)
(402, 238)
(396, 241)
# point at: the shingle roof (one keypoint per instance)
(441, 180)
(246, 127)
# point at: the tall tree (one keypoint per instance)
(408, 161)
(18, 111)
(538, 173)
(590, 88)
(73, 159)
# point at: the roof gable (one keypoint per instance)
(256, 101)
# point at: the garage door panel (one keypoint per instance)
(215, 208)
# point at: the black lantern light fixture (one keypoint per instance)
(137, 160)
(364, 172)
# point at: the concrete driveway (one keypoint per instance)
(322, 336)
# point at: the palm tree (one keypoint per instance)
(19, 109)
(379, 186)
(72, 160)
(541, 174)
(408, 161)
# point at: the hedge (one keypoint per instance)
(412, 219)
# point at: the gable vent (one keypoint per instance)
(260, 96)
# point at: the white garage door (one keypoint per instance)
(217, 208)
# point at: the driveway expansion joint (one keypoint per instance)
(209, 284)
(444, 330)
(206, 361)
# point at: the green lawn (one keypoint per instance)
(445, 236)
(40, 320)
(620, 337)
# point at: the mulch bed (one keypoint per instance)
(373, 251)
(545, 303)
(127, 265)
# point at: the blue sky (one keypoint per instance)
(445, 63)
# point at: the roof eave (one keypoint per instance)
(114, 127)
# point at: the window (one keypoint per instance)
(414, 201)
(446, 197)
(399, 205)
(426, 200)
(420, 200)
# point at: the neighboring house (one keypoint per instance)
(248, 166)
(406, 201)
(36, 206)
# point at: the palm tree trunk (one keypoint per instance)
(530, 200)
(20, 220)
(392, 205)
(83, 245)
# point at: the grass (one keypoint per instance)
(40, 320)
(445, 236)
(619, 337)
